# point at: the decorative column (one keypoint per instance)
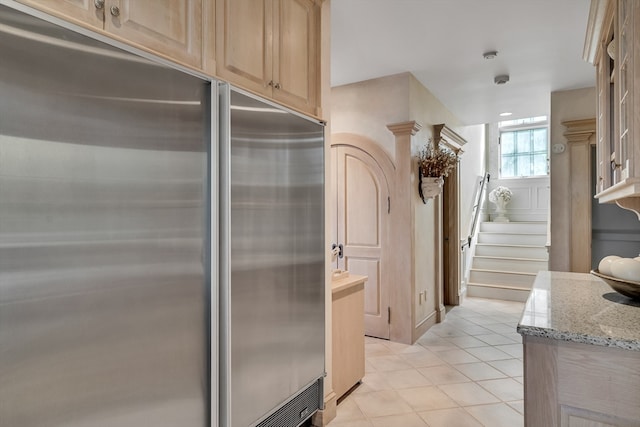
(402, 226)
(579, 136)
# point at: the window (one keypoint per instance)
(523, 147)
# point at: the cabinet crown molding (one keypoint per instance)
(597, 13)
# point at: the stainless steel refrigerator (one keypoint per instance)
(161, 241)
(272, 263)
(104, 234)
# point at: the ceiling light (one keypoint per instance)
(490, 55)
(505, 114)
(500, 80)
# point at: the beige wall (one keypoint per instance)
(472, 166)
(366, 108)
(427, 110)
(565, 105)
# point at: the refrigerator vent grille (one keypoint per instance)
(298, 409)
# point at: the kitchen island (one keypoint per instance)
(581, 353)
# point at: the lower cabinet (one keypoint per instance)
(570, 384)
(347, 332)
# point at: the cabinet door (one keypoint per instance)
(82, 12)
(295, 52)
(244, 35)
(172, 28)
(625, 51)
(603, 126)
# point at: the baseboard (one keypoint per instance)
(423, 326)
(463, 293)
(325, 416)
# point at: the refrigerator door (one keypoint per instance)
(273, 275)
(103, 287)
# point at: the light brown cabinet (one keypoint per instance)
(170, 28)
(268, 47)
(271, 48)
(347, 332)
(570, 384)
(613, 45)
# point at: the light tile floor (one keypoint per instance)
(464, 372)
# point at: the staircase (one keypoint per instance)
(507, 258)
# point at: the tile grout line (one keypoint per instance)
(440, 340)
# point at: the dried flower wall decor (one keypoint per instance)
(436, 161)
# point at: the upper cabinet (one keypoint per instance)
(613, 46)
(271, 48)
(83, 12)
(169, 28)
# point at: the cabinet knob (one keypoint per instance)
(99, 4)
(614, 165)
(277, 86)
(270, 83)
(115, 11)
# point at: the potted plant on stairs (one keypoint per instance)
(434, 164)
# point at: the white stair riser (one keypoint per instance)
(502, 278)
(511, 251)
(514, 227)
(479, 291)
(513, 239)
(506, 264)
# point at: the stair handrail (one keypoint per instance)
(475, 212)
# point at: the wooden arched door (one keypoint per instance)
(362, 201)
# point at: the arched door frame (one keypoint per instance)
(371, 152)
(370, 147)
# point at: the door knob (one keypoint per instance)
(340, 250)
(115, 11)
(99, 4)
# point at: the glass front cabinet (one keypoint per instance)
(613, 46)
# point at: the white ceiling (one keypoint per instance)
(539, 44)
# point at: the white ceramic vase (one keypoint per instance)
(431, 186)
(501, 210)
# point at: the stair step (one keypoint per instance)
(523, 265)
(511, 251)
(515, 227)
(507, 258)
(508, 293)
(503, 278)
(512, 238)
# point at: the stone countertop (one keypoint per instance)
(581, 308)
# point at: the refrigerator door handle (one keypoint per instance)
(224, 195)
